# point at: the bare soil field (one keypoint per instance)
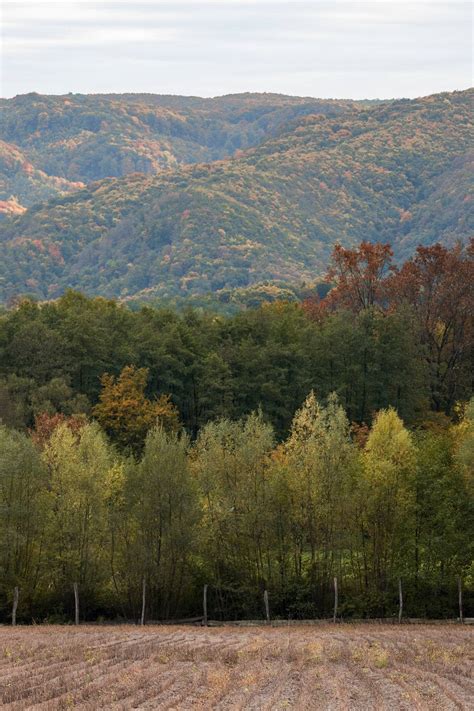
(345, 666)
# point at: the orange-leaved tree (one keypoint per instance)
(126, 414)
(359, 275)
(46, 424)
(437, 283)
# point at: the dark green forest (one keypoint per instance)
(275, 448)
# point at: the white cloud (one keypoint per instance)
(349, 48)
(99, 36)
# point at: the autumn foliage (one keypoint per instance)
(359, 275)
(435, 285)
(46, 424)
(126, 414)
(438, 283)
(397, 173)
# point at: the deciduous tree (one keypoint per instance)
(438, 284)
(126, 414)
(359, 275)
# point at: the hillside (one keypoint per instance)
(19, 179)
(396, 172)
(84, 138)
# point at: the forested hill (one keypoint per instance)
(395, 172)
(80, 138)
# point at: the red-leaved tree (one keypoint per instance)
(359, 275)
(438, 284)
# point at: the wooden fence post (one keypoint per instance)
(335, 600)
(16, 593)
(76, 603)
(204, 606)
(461, 612)
(142, 618)
(400, 601)
(267, 606)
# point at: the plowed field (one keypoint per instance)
(344, 666)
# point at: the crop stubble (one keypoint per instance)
(348, 666)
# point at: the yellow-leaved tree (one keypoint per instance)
(387, 503)
(322, 468)
(464, 443)
(80, 467)
(126, 414)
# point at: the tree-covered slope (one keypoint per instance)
(90, 137)
(395, 172)
(22, 185)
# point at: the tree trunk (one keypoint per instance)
(335, 600)
(267, 606)
(400, 601)
(142, 618)
(204, 606)
(461, 613)
(76, 603)
(16, 593)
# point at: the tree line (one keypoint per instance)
(240, 512)
(165, 446)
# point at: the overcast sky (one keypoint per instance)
(337, 48)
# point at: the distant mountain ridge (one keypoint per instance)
(398, 171)
(81, 138)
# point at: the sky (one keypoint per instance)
(335, 48)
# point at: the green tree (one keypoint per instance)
(230, 461)
(322, 466)
(164, 513)
(387, 503)
(23, 491)
(464, 436)
(441, 543)
(80, 465)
